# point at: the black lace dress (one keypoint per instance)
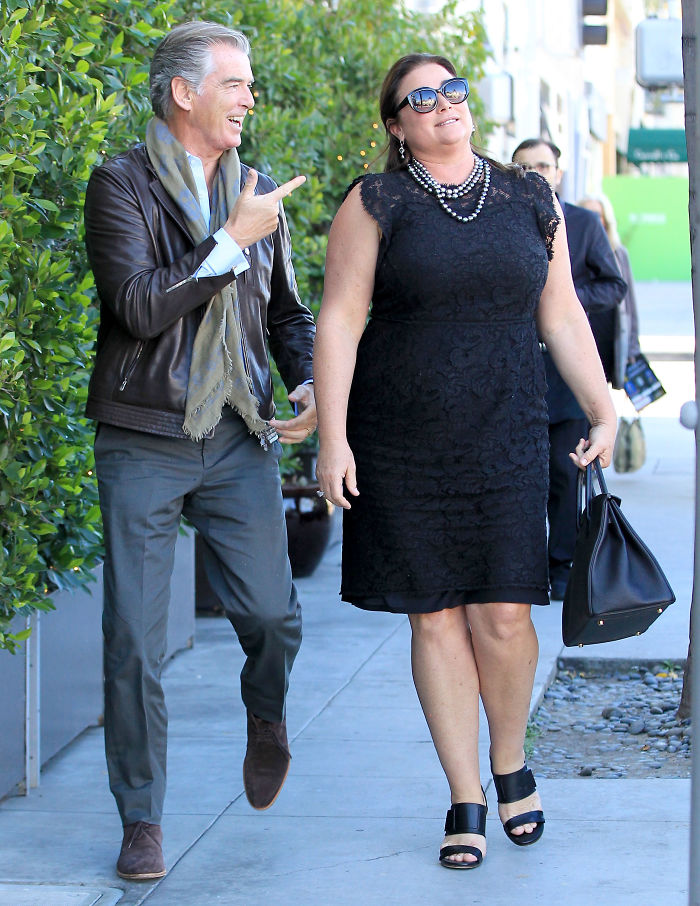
(446, 418)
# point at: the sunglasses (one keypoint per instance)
(423, 100)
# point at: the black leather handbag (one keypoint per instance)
(616, 588)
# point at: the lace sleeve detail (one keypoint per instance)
(375, 200)
(356, 181)
(543, 200)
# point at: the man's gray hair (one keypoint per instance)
(186, 52)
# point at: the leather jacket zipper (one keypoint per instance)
(244, 346)
(244, 350)
(132, 365)
(190, 279)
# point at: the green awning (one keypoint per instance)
(661, 146)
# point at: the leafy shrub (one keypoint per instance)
(56, 116)
(73, 89)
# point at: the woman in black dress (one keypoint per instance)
(433, 426)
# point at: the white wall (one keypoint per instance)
(556, 81)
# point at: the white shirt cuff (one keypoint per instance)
(226, 256)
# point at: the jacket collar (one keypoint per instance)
(157, 188)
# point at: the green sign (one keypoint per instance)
(659, 146)
(652, 219)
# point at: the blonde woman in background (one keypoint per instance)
(602, 206)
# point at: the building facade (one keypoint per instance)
(549, 77)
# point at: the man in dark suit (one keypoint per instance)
(600, 288)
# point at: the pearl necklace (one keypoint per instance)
(426, 181)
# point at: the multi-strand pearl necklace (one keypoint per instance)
(426, 181)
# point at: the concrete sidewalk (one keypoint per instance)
(359, 820)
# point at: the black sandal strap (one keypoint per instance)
(515, 786)
(466, 818)
(525, 818)
(458, 849)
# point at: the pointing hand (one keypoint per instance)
(256, 216)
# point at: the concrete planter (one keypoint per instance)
(52, 689)
(69, 668)
(12, 718)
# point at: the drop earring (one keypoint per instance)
(402, 150)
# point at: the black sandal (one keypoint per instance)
(464, 818)
(512, 788)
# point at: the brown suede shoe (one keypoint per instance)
(141, 856)
(266, 761)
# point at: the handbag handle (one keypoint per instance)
(585, 488)
(599, 475)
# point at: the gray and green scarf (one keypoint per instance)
(217, 370)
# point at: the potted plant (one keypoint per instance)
(308, 515)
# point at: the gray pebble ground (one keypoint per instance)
(620, 723)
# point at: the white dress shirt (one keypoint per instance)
(227, 255)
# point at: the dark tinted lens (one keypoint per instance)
(455, 90)
(423, 100)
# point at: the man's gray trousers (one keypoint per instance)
(229, 488)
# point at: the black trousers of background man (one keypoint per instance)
(562, 501)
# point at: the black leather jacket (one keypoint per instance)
(141, 254)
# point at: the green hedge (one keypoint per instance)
(73, 89)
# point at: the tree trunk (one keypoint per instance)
(690, 82)
(684, 707)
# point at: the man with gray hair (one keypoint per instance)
(192, 263)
